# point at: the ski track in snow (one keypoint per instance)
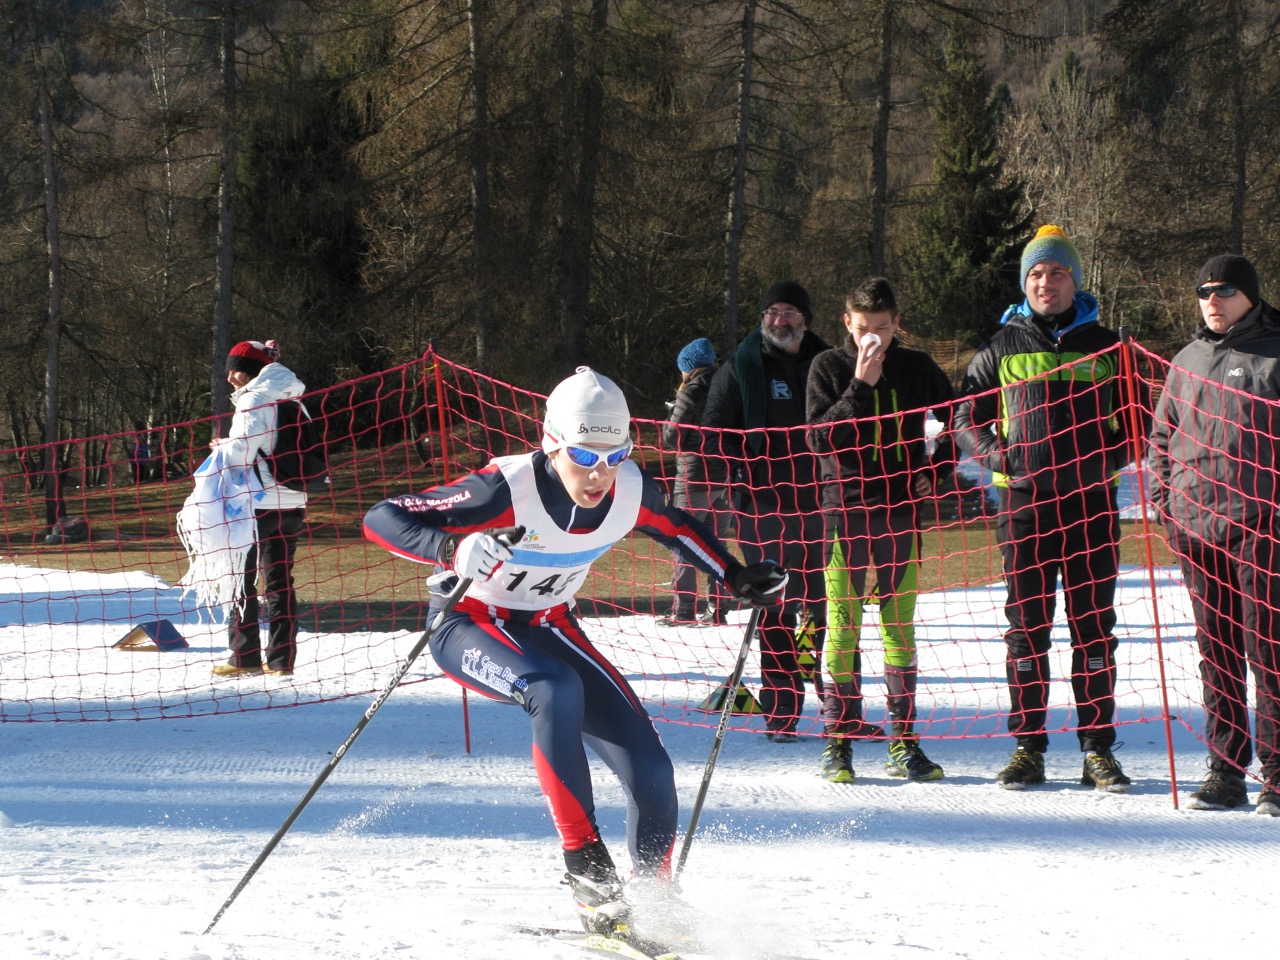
(126, 839)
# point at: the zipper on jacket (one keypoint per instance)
(900, 445)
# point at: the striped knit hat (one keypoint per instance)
(1051, 244)
(250, 356)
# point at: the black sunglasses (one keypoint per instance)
(1222, 290)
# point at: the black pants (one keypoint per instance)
(273, 554)
(1235, 595)
(1076, 536)
(796, 541)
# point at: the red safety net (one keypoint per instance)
(69, 595)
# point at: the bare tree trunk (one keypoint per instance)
(580, 132)
(736, 220)
(880, 140)
(54, 507)
(222, 284)
(1239, 133)
(481, 214)
(592, 136)
(570, 144)
(156, 56)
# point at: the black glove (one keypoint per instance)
(760, 583)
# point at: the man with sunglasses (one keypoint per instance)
(1045, 410)
(525, 530)
(757, 404)
(1214, 452)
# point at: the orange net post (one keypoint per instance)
(1131, 376)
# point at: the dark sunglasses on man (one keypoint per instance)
(1223, 290)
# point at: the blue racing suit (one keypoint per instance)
(515, 638)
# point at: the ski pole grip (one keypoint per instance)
(508, 535)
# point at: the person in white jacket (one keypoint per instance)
(258, 381)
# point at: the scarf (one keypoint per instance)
(217, 528)
(749, 364)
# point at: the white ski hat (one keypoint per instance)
(586, 408)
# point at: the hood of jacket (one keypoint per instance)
(1086, 307)
(274, 382)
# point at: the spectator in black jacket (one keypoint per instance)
(1045, 410)
(868, 402)
(757, 403)
(695, 489)
(1215, 455)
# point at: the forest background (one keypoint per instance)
(533, 185)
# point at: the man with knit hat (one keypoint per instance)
(514, 636)
(1045, 410)
(694, 489)
(259, 383)
(1214, 447)
(773, 479)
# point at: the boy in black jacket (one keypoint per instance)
(867, 404)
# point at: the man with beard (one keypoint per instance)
(757, 404)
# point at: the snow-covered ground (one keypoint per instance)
(121, 840)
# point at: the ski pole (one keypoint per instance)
(450, 601)
(731, 689)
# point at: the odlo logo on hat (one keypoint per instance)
(585, 430)
(585, 406)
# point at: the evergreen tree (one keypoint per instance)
(963, 257)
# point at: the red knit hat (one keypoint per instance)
(250, 356)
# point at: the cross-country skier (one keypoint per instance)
(514, 637)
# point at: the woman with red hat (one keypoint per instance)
(259, 381)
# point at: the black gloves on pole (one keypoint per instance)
(760, 584)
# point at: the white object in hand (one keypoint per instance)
(870, 341)
(479, 555)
